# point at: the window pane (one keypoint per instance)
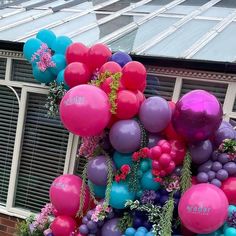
(3, 63)
(138, 36)
(8, 123)
(42, 157)
(222, 47)
(119, 5)
(219, 90)
(175, 44)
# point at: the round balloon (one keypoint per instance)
(44, 77)
(119, 194)
(229, 188)
(121, 58)
(77, 52)
(148, 182)
(203, 208)
(85, 110)
(110, 67)
(155, 114)
(153, 139)
(60, 44)
(110, 228)
(106, 85)
(31, 46)
(60, 62)
(65, 194)
(63, 226)
(125, 136)
(121, 159)
(197, 116)
(99, 190)
(60, 79)
(46, 36)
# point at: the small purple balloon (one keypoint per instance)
(155, 114)
(110, 228)
(85, 220)
(83, 229)
(222, 175)
(201, 152)
(153, 139)
(89, 214)
(230, 167)
(92, 225)
(216, 166)
(125, 136)
(211, 175)
(197, 115)
(215, 156)
(202, 177)
(216, 182)
(223, 158)
(205, 167)
(121, 58)
(97, 170)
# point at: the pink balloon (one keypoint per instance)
(85, 110)
(63, 226)
(65, 195)
(203, 208)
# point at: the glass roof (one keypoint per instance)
(198, 29)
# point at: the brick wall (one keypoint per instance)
(7, 225)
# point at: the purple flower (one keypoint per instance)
(31, 228)
(148, 197)
(231, 220)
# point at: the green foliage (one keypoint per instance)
(186, 174)
(125, 222)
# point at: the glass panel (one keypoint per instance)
(100, 31)
(119, 5)
(151, 6)
(222, 47)
(175, 44)
(3, 63)
(138, 36)
(88, 4)
(187, 7)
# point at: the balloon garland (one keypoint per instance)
(141, 153)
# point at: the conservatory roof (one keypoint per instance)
(188, 29)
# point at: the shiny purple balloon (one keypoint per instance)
(153, 139)
(205, 167)
(222, 175)
(110, 228)
(155, 114)
(97, 170)
(197, 115)
(201, 152)
(125, 136)
(202, 177)
(230, 167)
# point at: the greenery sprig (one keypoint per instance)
(186, 174)
(56, 93)
(125, 222)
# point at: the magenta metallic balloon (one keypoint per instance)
(197, 116)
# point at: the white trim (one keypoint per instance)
(229, 100)
(73, 155)
(68, 153)
(177, 89)
(8, 71)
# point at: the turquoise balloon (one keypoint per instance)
(60, 79)
(60, 44)
(225, 227)
(148, 183)
(142, 229)
(144, 165)
(60, 62)
(130, 231)
(99, 191)
(46, 36)
(139, 233)
(121, 159)
(216, 233)
(120, 194)
(139, 193)
(43, 77)
(30, 47)
(149, 234)
(230, 231)
(231, 209)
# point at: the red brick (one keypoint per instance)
(7, 222)
(11, 230)
(4, 216)
(13, 218)
(3, 228)
(5, 234)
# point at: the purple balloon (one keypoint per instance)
(211, 175)
(225, 131)
(110, 228)
(85, 220)
(197, 115)
(83, 229)
(155, 114)
(121, 58)
(216, 182)
(125, 136)
(222, 175)
(97, 170)
(92, 225)
(223, 158)
(153, 139)
(216, 166)
(201, 152)
(230, 167)
(178, 170)
(205, 167)
(202, 177)
(89, 214)
(215, 156)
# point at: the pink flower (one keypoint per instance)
(125, 169)
(94, 218)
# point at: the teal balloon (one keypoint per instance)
(139, 193)
(230, 231)
(149, 234)
(140, 173)
(215, 233)
(130, 231)
(60, 44)
(121, 159)
(139, 233)
(60, 62)
(142, 229)
(30, 47)
(231, 208)
(225, 226)
(99, 191)
(60, 79)
(46, 36)
(120, 194)
(145, 165)
(43, 77)
(148, 183)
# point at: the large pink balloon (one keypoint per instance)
(197, 115)
(65, 195)
(63, 226)
(203, 208)
(85, 110)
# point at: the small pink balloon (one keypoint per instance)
(65, 195)
(197, 116)
(85, 110)
(63, 226)
(203, 208)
